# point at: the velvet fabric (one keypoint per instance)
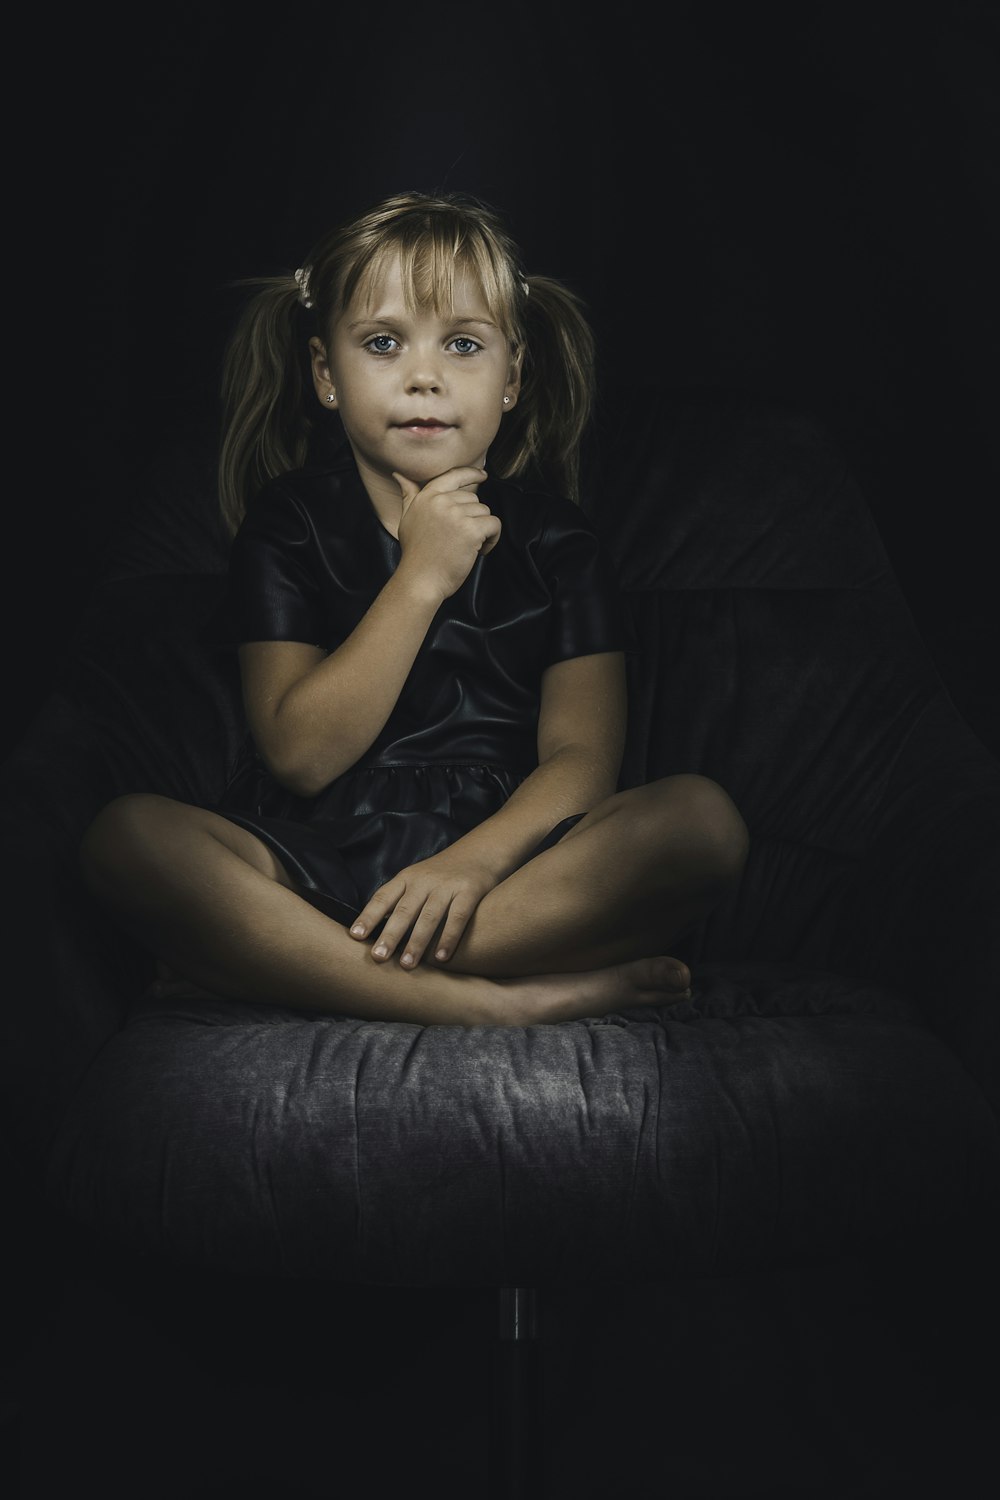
(831, 1085)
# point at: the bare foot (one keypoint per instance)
(506, 1002)
(596, 992)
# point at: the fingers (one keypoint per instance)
(492, 536)
(381, 903)
(465, 477)
(409, 489)
(431, 916)
(443, 531)
(487, 526)
(459, 915)
(412, 917)
(403, 908)
(415, 916)
(454, 910)
(459, 479)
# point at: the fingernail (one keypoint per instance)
(407, 960)
(357, 930)
(381, 951)
(442, 953)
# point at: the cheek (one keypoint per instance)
(358, 392)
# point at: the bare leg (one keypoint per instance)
(212, 902)
(624, 883)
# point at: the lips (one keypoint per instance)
(434, 423)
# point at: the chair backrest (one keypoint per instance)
(772, 650)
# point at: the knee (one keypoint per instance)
(118, 836)
(695, 814)
(724, 835)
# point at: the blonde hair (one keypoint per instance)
(269, 407)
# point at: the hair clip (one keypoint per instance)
(302, 280)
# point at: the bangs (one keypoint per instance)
(432, 256)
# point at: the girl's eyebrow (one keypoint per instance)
(456, 317)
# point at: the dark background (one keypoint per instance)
(800, 202)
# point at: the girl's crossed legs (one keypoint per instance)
(577, 931)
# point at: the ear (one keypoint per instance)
(322, 381)
(512, 389)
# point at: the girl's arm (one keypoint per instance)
(313, 716)
(581, 739)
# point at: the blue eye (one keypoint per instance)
(471, 347)
(379, 343)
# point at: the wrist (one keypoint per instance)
(484, 852)
(418, 587)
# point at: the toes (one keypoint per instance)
(678, 975)
(674, 980)
(666, 978)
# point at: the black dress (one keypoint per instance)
(307, 563)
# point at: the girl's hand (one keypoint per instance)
(446, 888)
(444, 528)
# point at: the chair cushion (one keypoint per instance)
(780, 1114)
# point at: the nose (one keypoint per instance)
(423, 374)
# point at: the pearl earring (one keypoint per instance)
(506, 401)
(331, 398)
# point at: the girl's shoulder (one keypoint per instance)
(305, 496)
(534, 512)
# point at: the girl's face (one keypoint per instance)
(418, 392)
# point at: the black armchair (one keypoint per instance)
(829, 1094)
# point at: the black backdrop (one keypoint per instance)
(797, 201)
(801, 203)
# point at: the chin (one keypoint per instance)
(424, 467)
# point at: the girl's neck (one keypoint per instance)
(386, 500)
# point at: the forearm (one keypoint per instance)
(581, 739)
(328, 718)
(572, 780)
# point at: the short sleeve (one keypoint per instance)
(274, 592)
(586, 613)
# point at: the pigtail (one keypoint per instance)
(544, 432)
(265, 422)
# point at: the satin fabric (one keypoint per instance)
(307, 563)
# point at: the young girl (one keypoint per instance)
(428, 827)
